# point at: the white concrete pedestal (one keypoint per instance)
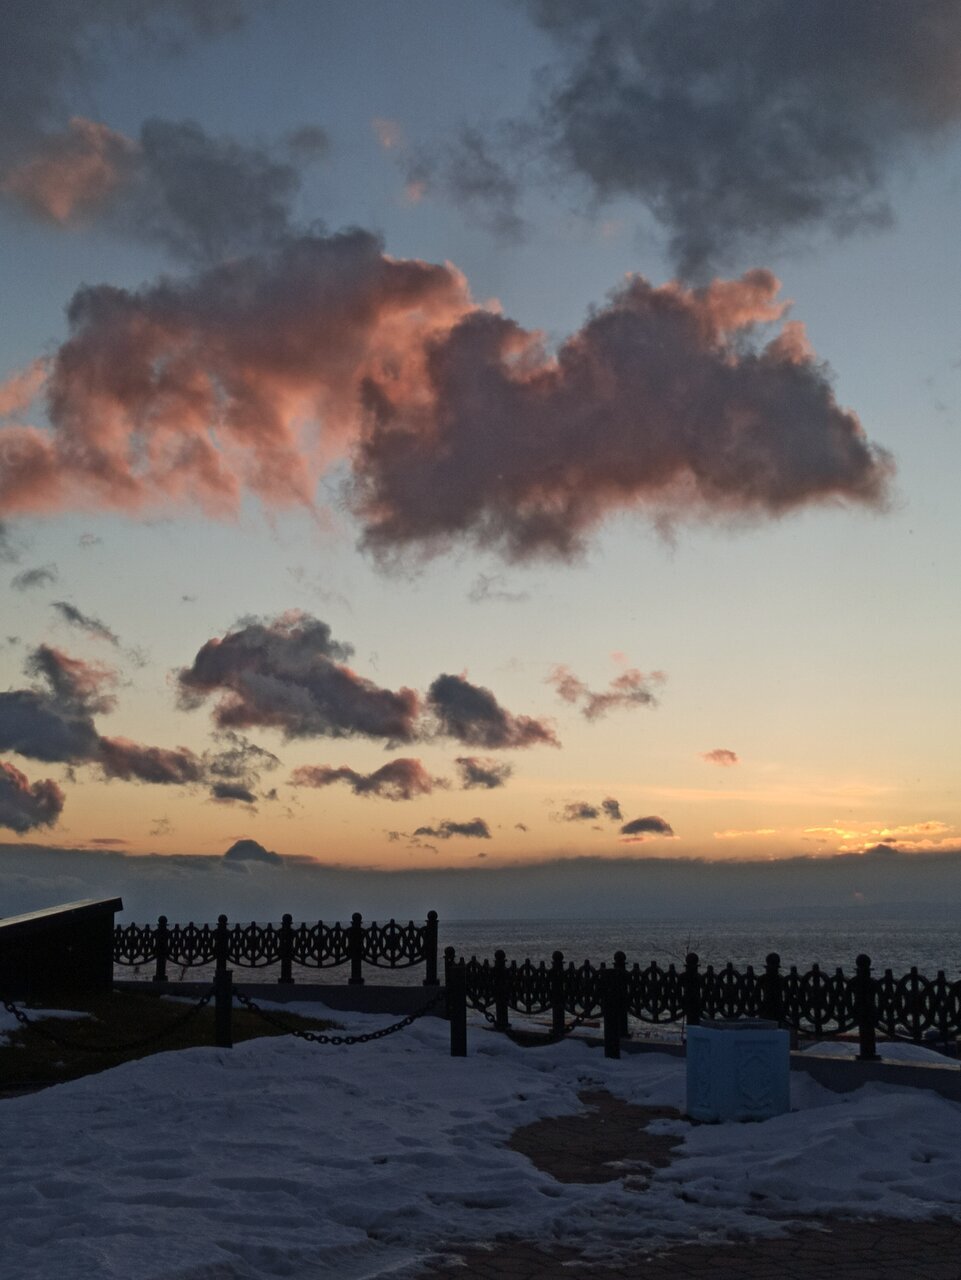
(738, 1070)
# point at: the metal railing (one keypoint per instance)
(814, 1003)
(253, 946)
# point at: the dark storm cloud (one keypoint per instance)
(52, 51)
(288, 674)
(663, 402)
(25, 805)
(613, 809)
(200, 197)
(580, 811)
(472, 715)
(476, 828)
(41, 576)
(53, 721)
(400, 779)
(482, 771)
(121, 758)
(238, 760)
(472, 174)
(630, 689)
(251, 851)
(228, 792)
(747, 122)
(647, 826)
(77, 684)
(84, 622)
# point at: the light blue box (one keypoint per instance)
(738, 1070)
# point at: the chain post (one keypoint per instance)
(610, 1013)
(221, 944)
(772, 998)
(692, 990)
(457, 1008)
(162, 946)
(223, 1003)
(286, 948)
(501, 1010)
(620, 984)
(558, 1008)
(355, 945)
(430, 949)
(866, 1006)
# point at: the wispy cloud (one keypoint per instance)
(630, 689)
(42, 576)
(401, 779)
(721, 756)
(75, 617)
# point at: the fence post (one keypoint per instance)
(610, 1012)
(692, 990)
(356, 948)
(866, 1007)
(558, 1004)
(286, 949)
(501, 1015)
(430, 949)
(223, 1006)
(221, 944)
(457, 1007)
(772, 1002)
(620, 973)
(160, 973)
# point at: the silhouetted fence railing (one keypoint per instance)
(813, 1004)
(255, 946)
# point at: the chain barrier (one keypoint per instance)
(576, 1022)
(140, 1043)
(318, 1037)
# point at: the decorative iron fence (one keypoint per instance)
(814, 1003)
(255, 946)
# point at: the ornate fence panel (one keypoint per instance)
(320, 946)
(191, 945)
(654, 994)
(814, 1003)
(914, 1005)
(257, 946)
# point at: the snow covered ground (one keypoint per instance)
(282, 1158)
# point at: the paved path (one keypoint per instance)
(609, 1141)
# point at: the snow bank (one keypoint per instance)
(281, 1158)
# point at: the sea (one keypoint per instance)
(892, 942)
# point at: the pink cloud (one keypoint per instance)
(721, 756)
(630, 688)
(72, 173)
(252, 377)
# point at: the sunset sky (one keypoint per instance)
(439, 431)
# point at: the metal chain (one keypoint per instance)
(571, 1026)
(317, 1037)
(576, 1022)
(154, 1036)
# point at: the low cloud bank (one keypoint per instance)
(915, 886)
